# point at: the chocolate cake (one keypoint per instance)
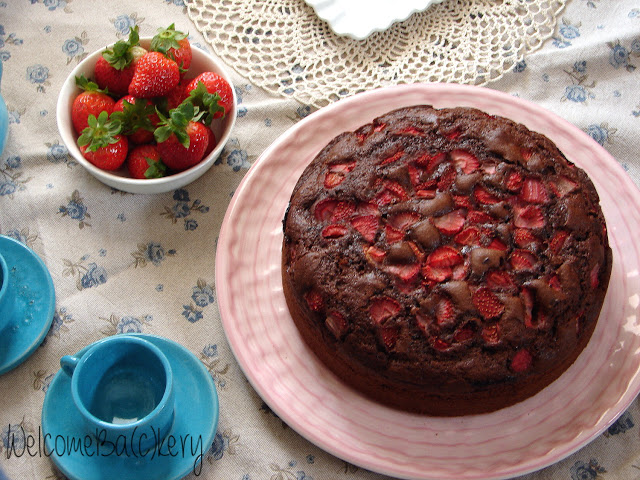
(445, 261)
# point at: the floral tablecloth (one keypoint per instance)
(134, 263)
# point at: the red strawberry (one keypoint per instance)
(450, 223)
(404, 220)
(558, 241)
(334, 231)
(522, 260)
(464, 160)
(144, 162)
(447, 178)
(389, 337)
(314, 300)
(521, 361)
(533, 191)
(155, 75)
(336, 324)
(178, 95)
(529, 217)
(393, 158)
(491, 334)
(563, 186)
(487, 303)
(514, 181)
(383, 308)
(431, 161)
(374, 254)
(367, 226)
(138, 116)
(115, 67)
(468, 236)
(393, 234)
(102, 144)
(221, 94)
(445, 312)
(445, 256)
(174, 45)
(498, 280)
(407, 273)
(91, 101)
(484, 196)
(333, 179)
(523, 238)
(182, 139)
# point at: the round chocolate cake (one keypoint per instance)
(445, 262)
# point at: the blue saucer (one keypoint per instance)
(194, 427)
(35, 303)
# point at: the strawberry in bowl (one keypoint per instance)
(135, 93)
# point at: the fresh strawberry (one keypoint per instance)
(144, 162)
(468, 236)
(115, 67)
(92, 101)
(102, 143)
(214, 84)
(499, 280)
(182, 139)
(487, 303)
(154, 75)
(393, 234)
(138, 116)
(174, 45)
(178, 95)
(484, 196)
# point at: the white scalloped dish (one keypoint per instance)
(360, 18)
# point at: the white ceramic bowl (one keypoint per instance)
(120, 179)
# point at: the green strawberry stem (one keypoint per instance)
(88, 86)
(177, 123)
(120, 55)
(135, 116)
(102, 131)
(166, 39)
(206, 102)
(157, 169)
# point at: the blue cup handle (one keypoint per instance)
(68, 364)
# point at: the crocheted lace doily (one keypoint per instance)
(284, 47)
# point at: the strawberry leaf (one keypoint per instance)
(120, 55)
(100, 132)
(157, 169)
(208, 103)
(177, 123)
(166, 39)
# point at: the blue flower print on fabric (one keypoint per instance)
(234, 156)
(39, 76)
(620, 55)
(579, 91)
(209, 357)
(566, 33)
(124, 23)
(73, 48)
(42, 380)
(55, 4)
(11, 179)
(151, 252)
(184, 207)
(76, 210)
(602, 133)
(59, 325)
(57, 153)
(520, 67)
(177, 3)
(87, 274)
(5, 41)
(202, 296)
(621, 425)
(586, 471)
(126, 324)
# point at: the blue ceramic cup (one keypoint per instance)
(123, 388)
(7, 298)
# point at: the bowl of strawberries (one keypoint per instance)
(147, 115)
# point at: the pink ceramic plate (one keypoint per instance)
(538, 432)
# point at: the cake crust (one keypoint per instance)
(445, 262)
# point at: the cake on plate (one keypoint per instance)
(445, 261)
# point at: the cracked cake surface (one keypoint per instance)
(445, 261)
